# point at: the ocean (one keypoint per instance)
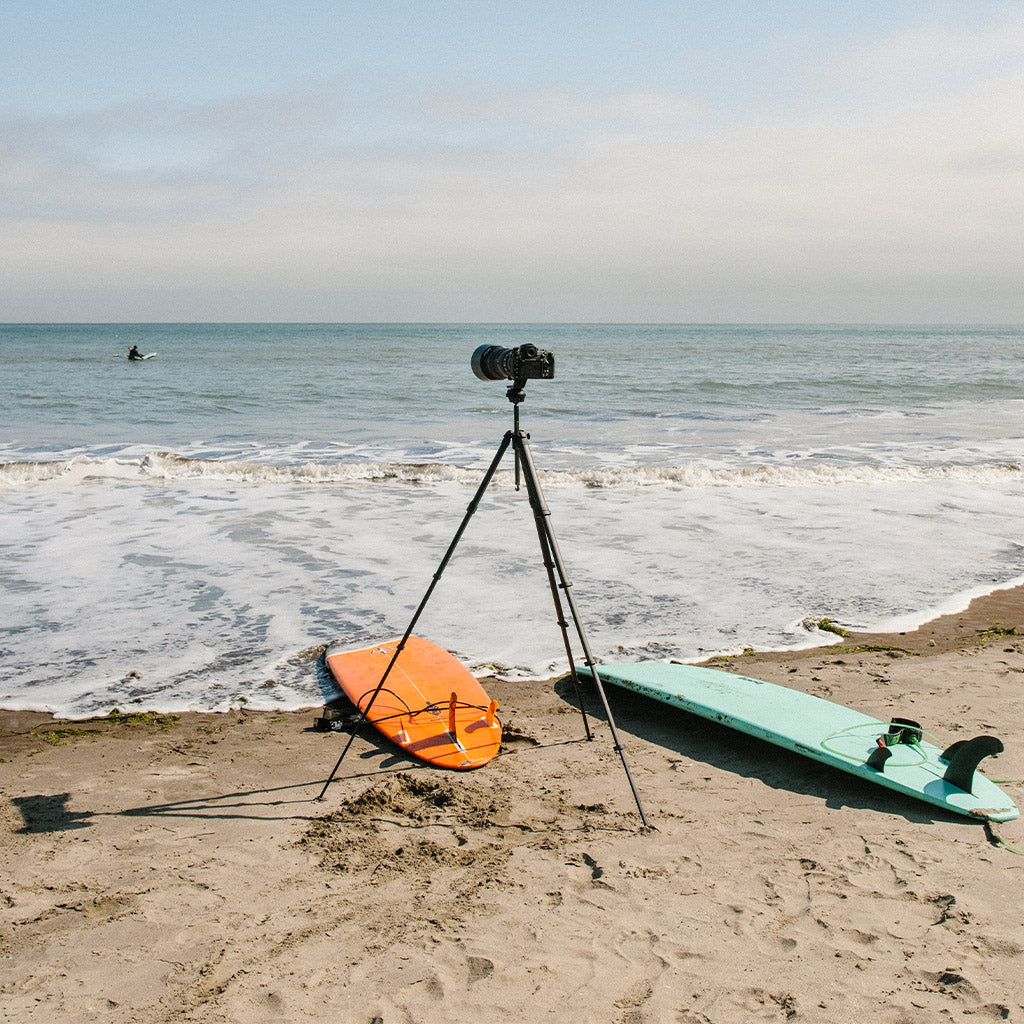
(186, 532)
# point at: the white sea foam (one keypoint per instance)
(192, 591)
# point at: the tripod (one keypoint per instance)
(557, 581)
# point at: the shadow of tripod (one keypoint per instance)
(553, 564)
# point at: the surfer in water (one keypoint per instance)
(134, 353)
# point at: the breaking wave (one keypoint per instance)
(167, 467)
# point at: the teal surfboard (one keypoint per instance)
(893, 754)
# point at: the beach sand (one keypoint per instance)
(180, 869)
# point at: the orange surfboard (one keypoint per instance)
(430, 705)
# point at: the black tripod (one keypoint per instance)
(557, 580)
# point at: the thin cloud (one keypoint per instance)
(559, 110)
(933, 60)
(341, 199)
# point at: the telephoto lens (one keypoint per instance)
(492, 362)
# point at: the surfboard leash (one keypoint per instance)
(997, 840)
(408, 710)
(434, 708)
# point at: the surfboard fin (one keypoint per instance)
(964, 756)
(879, 756)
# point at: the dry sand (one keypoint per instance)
(180, 869)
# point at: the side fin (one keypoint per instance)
(964, 756)
(879, 756)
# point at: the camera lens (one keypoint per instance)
(492, 362)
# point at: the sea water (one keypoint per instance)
(185, 532)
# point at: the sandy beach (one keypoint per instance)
(178, 868)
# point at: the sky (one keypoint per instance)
(512, 160)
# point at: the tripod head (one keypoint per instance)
(516, 392)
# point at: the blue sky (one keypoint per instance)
(465, 161)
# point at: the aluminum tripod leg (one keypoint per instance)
(549, 546)
(491, 470)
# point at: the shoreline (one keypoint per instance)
(1002, 608)
(177, 867)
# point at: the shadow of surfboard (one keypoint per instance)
(724, 749)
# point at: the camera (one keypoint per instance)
(492, 362)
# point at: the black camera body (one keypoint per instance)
(492, 362)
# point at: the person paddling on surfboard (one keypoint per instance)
(134, 353)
